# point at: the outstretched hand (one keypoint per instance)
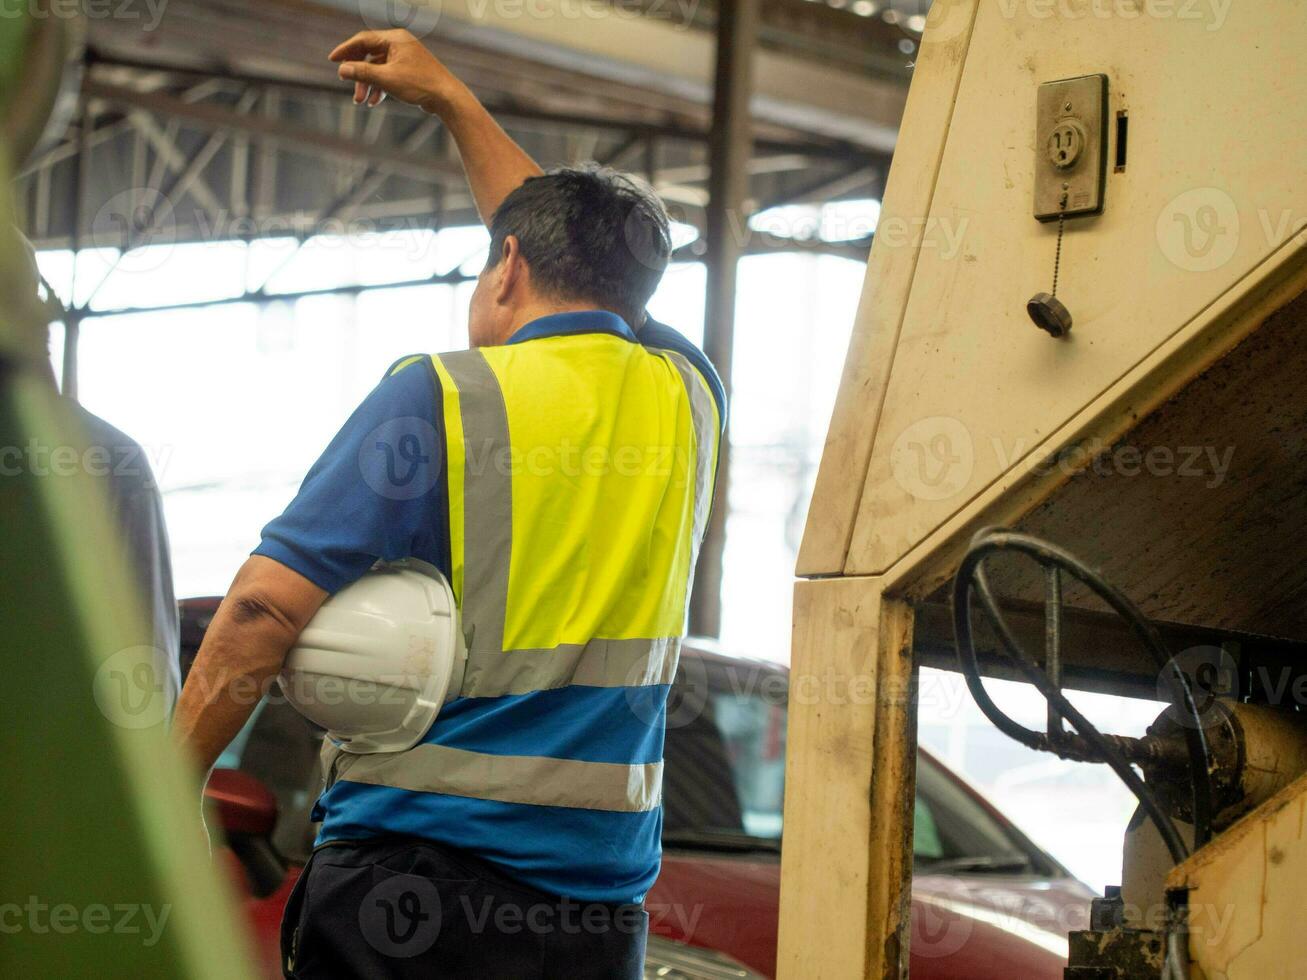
(395, 63)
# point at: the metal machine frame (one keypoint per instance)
(945, 368)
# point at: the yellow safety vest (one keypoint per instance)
(580, 475)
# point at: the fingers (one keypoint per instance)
(368, 78)
(362, 73)
(360, 46)
(368, 81)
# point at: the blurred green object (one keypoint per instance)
(42, 74)
(13, 38)
(103, 870)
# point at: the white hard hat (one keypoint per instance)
(379, 659)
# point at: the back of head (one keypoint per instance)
(588, 234)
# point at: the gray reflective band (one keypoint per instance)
(705, 430)
(599, 663)
(534, 780)
(487, 500)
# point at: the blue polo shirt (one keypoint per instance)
(379, 491)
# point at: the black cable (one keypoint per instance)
(962, 615)
(971, 574)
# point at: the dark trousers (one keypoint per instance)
(399, 907)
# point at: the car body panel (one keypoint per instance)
(981, 927)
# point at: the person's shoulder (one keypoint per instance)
(408, 387)
(101, 433)
(413, 373)
(659, 336)
(121, 459)
(409, 362)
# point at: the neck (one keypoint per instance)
(536, 310)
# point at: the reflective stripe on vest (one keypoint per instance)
(536, 780)
(661, 418)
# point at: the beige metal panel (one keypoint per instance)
(1206, 488)
(1247, 890)
(1159, 383)
(1216, 143)
(846, 864)
(890, 269)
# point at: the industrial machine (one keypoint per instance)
(1069, 449)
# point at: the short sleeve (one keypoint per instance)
(377, 489)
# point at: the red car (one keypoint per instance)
(987, 904)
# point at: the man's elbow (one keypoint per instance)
(268, 596)
(250, 609)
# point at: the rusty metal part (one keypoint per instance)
(1115, 954)
(1256, 751)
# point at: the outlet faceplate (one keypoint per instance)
(1070, 147)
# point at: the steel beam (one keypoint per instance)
(208, 116)
(511, 113)
(729, 149)
(453, 277)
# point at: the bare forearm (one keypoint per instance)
(227, 680)
(244, 647)
(495, 164)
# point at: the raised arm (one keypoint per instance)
(395, 63)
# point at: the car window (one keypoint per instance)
(724, 754)
(754, 733)
(953, 830)
(724, 775)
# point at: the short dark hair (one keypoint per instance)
(588, 233)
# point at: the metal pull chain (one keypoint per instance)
(1057, 255)
(1045, 309)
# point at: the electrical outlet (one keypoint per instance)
(1070, 147)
